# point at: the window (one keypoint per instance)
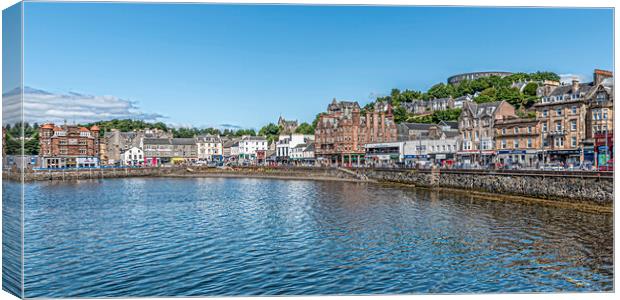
(545, 112)
(558, 126)
(516, 143)
(529, 129)
(516, 129)
(544, 127)
(545, 143)
(574, 109)
(604, 113)
(503, 143)
(558, 111)
(503, 130)
(476, 134)
(573, 141)
(573, 125)
(559, 142)
(529, 142)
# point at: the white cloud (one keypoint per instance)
(42, 106)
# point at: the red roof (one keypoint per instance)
(48, 126)
(84, 129)
(94, 128)
(56, 128)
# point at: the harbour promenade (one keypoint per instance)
(575, 187)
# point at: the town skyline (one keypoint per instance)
(88, 105)
(143, 72)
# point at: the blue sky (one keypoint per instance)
(207, 65)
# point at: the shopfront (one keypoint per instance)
(520, 158)
(603, 148)
(565, 157)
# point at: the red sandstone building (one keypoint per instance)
(68, 146)
(342, 132)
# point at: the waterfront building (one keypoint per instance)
(600, 117)
(439, 151)
(227, 144)
(133, 156)
(210, 148)
(286, 142)
(248, 145)
(518, 141)
(476, 127)
(68, 146)
(116, 142)
(158, 151)
(418, 143)
(303, 153)
(287, 126)
(342, 131)
(572, 114)
(234, 151)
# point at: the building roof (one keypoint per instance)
(582, 88)
(48, 126)
(310, 147)
(155, 141)
(254, 138)
(477, 110)
(451, 134)
(451, 124)
(183, 141)
(84, 129)
(94, 128)
(415, 126)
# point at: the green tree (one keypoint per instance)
(530, 89)
(304, 128)
(400, 114)
(271, 131)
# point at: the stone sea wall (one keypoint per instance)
(588, 187)
(573, 187)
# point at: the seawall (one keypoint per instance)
(569, 187)
(592, 187)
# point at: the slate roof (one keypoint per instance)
(151, 141)
(584, 88)
(183, 141)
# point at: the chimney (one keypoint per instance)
(600, 75)
(575, 87)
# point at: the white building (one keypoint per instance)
(302, 153)
(234, 151)
(249, 145)
(427, 150)
(133, 156)
(210, 148)
(287, 142)
(432, 150)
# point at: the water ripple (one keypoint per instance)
(193, 237)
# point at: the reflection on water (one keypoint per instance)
(189, 237)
